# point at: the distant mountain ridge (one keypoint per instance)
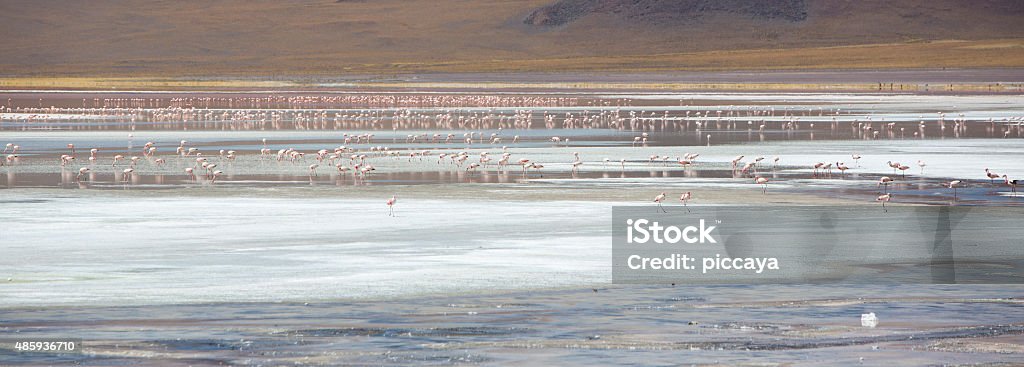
(566, 11)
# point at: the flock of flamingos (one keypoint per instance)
(245, 113)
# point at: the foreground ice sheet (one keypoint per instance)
(143, 250)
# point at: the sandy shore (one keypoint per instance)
(948, 81)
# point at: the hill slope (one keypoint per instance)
(323, 37)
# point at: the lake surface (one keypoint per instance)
(270, 262)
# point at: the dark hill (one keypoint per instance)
(565, 11)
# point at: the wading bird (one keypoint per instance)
(658, 199)
(391, 205)
(762, 181)
(952, 185)
(1012, 184)
(884, 181)
(684, 198)
(884, 199)
(992, 176)
(81, 172)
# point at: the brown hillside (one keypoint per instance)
(330, 37)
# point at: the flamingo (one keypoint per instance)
(312, 169)
(856, 158)
(903, 170)
(191, 173)
(684, 198)
(893, 165)
(991, 176)
(884, 181)
(884, 199)
(537, 167)
(921, 164)
(842, 168)
(391, 205)
(81, 172)
(658, 199)
(127, 174)
(762, 181)
(1012, 184)
(736, 161)
(818, 166)
(952, 185)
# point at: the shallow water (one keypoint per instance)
(484, 266)
(730, 325)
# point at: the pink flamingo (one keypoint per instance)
(884, 199)
(842, 168)
(684, 198)
(391, 205)
(658, 199)
(992, 176)
(818, 166)
(884, 181)
(762, 181)
(191, 173)
(81, 172)
(736, 162)
(893, 165)
(903, 170)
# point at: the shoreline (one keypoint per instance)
(900, 81)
